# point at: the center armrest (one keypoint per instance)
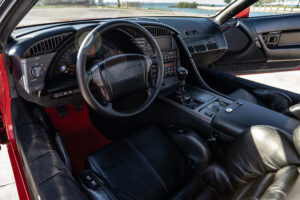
(236, 120)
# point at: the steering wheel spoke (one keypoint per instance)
(89, 77)
(96, 75)
(155, 60)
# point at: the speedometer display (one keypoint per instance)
(66, 61)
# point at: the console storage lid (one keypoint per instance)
(236, 120)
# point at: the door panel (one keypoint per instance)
(273, 44)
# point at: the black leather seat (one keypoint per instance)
(149, 166)
(262, 163)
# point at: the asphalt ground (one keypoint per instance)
(8, 190)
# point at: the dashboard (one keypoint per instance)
(43, 58)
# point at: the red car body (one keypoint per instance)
(14, 155)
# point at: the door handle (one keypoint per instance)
(271, 39)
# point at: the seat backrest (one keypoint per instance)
(259, 150)
(263, 163)
(145, 166)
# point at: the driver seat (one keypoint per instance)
(261, 163)
(151, 165)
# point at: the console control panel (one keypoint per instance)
(170, 63)
(170, 69)
(169, 53)
(213, 108)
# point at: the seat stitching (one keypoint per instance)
(154, 172)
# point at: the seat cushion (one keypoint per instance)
(144, 166)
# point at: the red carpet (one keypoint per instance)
(78, 133)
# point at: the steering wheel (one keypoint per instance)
(120, 75)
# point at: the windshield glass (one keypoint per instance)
(46, 11)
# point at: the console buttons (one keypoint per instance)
(209, 113)
(170, 69)
(229, 110)
(215, 108)
(169, 55)
(222, 103)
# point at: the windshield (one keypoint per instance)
(47, 11)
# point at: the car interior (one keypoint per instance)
(148, 108)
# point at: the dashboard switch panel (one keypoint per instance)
(31, 72)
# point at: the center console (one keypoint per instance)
(228, 116)
(202, 104)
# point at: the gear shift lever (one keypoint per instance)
(182, 74)
(182, 96)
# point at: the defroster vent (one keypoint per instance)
(155, 31)
(45, 46)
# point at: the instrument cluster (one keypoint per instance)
(65, 63)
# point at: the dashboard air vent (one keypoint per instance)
(155, 31)
(45, 46)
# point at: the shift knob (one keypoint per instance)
(182, 73)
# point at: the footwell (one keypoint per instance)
(78, 133)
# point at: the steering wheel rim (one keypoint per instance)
(84, 77)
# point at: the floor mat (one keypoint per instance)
(78, 133)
